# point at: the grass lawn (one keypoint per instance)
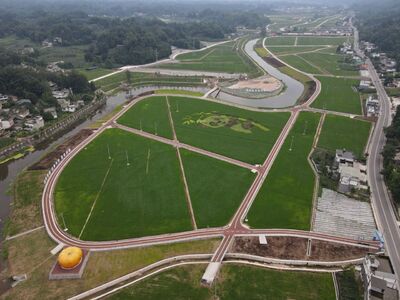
(337, 94)
(286, 40)
(179, 92)
(68, 54)
(244, 135)
(299, 64)
(150, 115)
(30, 254)
(285, 199)
(143, 198)
(221, 58)
(236, 282)
(335, 134)
(95, 73)
(312, 40)
(216, 188)
(331, 63)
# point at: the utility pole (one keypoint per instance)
(108, 149)
(155, 128)
(291, 143)
(305, 128)
(156, 54)
(127, 158)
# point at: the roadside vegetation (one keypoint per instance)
(285, 199)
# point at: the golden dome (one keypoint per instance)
(70, 257)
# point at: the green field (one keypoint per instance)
(311, 40)
(284, 40)
(291, 50)
(285, 199)
(95, 73)
(298, 63)
(235, 282)
(216, 188)
(237, 133)
(150, 115)
(137, 79)
(179, 92)
(143, 198)
(330, 63)
(344, 133)
(337, 94)
(69, 54)
(221, 58)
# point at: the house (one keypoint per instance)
(63, 103)
(379, 278)
(64, 93)
(3, 98)
(21, 112)
(52, 111)
(372, 106)
(57, 40)
(6, 124)
(24, 102)
(47, 44)
(70, 108)
(365, 85)
(344, 157)
(34, 123)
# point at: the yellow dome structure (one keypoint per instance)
(70, 257)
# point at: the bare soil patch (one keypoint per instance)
(48, 160)
(273, 62)
(296, 248)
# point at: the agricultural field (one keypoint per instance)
(222, 58)
(312, 40)
(277, 50)
(69, 54)
(286, 197)
(122, 186)
(244, 135)
(330, 63)
(298, 63)
(338, 94)
(236, 282)
(335, 134)
(285, 40)
(150, 115)
(214, 204)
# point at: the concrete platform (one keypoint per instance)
(58, 273)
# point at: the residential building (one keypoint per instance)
(344, 157)
(379, 278)
(34, 123)
(52, 111)
(372, 106)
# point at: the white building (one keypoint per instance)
(34, 123)
(379, 278)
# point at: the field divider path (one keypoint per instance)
(323, 71)
(97, 197)
(188, 199)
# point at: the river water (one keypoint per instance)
(292, 92)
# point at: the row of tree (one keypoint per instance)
(391, 169)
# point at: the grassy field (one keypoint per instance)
(344, 133)
(285, 199)
(68, 54)
(312, 40)
(179, 92)
(236, 282)
(30, 254)
(286, 40)
(150, 115)
(143, 198)
(216, 188)
(95, 73)
(221, 58)
(137, 79)
(337, 94)
(300, 64)
(331, 63)
(244, 135)
(290, 50)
